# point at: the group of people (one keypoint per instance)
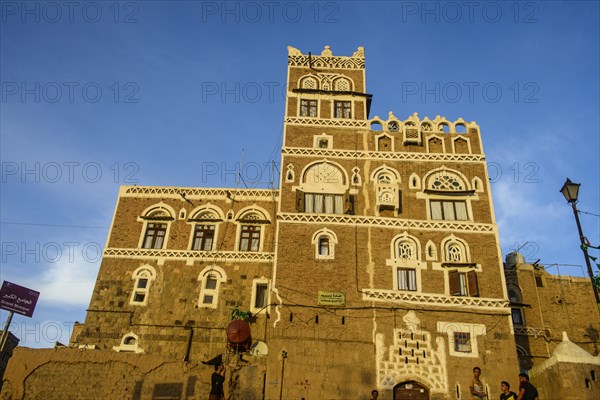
(526, 390)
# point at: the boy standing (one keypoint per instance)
(506, 392)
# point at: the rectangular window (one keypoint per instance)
(139, 297)
(448, 210)
(463, 283)
(308, 108)
(462, 342)
(155, 236)
(517, 316)
(323, 203)
(203, 237)
(324, 246)
(342, 109)
(407, 279)
(260, 299)
(250, 238)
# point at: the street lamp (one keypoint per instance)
(571, 190)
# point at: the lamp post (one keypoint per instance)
(571, 190)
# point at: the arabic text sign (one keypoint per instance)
(331, 299)
(18, 299)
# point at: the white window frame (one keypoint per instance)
(144, 272)
(255, 284)
(165, 208)
(474, 331)
(332, 243)
(220, 276)
(130, 348)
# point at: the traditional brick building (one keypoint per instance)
(375, 264)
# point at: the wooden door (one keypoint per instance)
(410, 390)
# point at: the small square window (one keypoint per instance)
(139, 297)
(208, 299)
(142, 283)
(462, 342)
(517, 316)
(323, 143)
(211, 283)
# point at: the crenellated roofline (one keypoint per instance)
(326, 59)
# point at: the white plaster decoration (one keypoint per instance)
(326, 59)
(463, 139)
(198, 193)
(477, 184)
(419, 299)
(339, 122)
(323, 141)
(414, 182)
(290, 175)
(129, 343)
(474, 330)
(438, 225)
(356, 178)
(190, 256)
(376, 155)
(412, 355)
(430, 251)
(144, 276)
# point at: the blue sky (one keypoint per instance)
(102, 94)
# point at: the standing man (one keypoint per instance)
(216, 382)
(526, 390)
(476, 385)
(506, 392)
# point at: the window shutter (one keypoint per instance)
(347, 203)
(473, 286)
(454, 283)
(299, 200)
(399, 201)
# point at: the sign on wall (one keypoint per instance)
(18, 299)
(334, 299)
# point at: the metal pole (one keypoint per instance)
(5, 332)
(585, 253)
(283, 357)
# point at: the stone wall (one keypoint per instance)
(67, 373)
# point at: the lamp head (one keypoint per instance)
(570, 191)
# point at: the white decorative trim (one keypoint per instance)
(337, 62)
(414, 182)
(477, 184)
(340, 122)
(437, 299)
(190, 256)
(456, 139)
(374, 155)
(129, 347)
(435, 136)
(198, 193)
(356, 179)
(433, 256)
(290, 175)
(474, 330)
(437, 225)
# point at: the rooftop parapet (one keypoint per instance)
(326, 59)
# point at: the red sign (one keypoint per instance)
(18, 299)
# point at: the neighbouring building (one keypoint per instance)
(374, 265)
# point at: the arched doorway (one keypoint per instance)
(410, 390)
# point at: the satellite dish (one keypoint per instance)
(259, 349)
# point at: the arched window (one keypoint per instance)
(205, 222)
(129, 343)
(342, 85)
(309, 82)
(250, 229)
(324, 241)
(157, 220)
(143, 278)
(406, 264)
(448, 195)
(324, 189)
(387, 182)
(210, 280)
